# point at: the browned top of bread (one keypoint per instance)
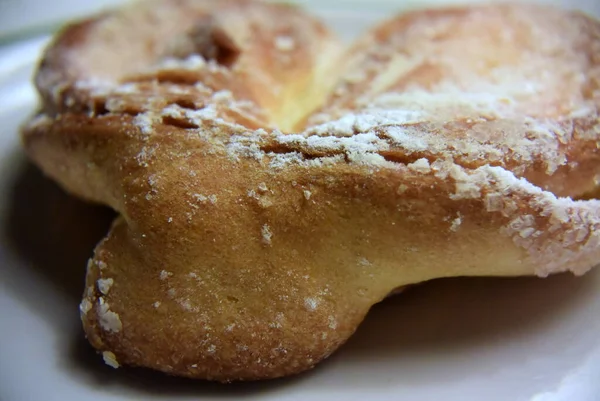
(271, 191)
(268, 55)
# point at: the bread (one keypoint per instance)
(271, 186)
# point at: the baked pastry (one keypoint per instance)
(272, 187)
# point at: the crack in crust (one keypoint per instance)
(272, 188)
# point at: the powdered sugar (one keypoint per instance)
(104, 285)
(85, 306)
(266, 234)
(285, 43)
(455, 226)
(530, 226)
(400, 137)
(311, 304)
(110, 359)
(193, 62)
(352, 123)
(422, 166)
(145, 122)
(107, 319)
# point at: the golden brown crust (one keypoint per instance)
(242, 252)
(514, 86)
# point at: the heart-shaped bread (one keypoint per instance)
(271, 187)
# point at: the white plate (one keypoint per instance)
(454, 340)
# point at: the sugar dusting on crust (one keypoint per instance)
(571, 246)
(455, 129)
(558, 234)
(450, 68)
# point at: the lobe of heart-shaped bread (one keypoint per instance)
(270, 192)
(273, 57)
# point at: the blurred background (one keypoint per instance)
(19, 18)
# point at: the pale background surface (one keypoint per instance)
(456, 340)
(16, 15)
